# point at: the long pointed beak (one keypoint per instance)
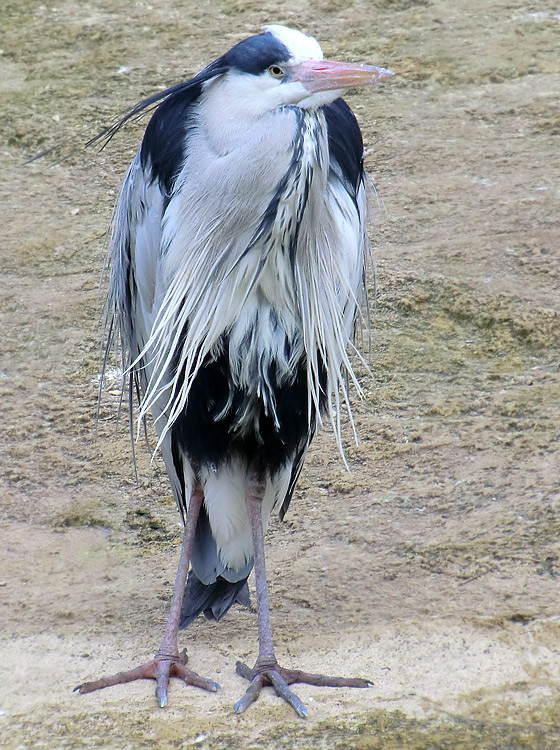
(327, 75)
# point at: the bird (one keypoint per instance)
(237, 257)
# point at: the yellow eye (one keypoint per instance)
(276, 71)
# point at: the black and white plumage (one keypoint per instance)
(237, 259)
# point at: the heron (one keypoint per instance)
(237, 257)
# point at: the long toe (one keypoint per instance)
(192, 678)
(283, 691)
(323, 680)
(144, 672)
(251, 694)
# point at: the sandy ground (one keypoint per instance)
(433, 567)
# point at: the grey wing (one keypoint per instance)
(136, 288)
(135, 263)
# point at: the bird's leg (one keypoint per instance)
(267, 671)
(168, 662)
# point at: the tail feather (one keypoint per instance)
(213, 599)
(205, 559)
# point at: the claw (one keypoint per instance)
(161, 696)
(283, 691)
(251, 694)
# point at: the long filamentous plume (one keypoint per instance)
(318, 277)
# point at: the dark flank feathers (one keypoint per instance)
(163, 147)
(345, 143)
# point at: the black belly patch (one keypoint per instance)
(208, 429)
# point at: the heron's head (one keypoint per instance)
(283, 67)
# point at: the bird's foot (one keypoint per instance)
(161, 668)
(271, 673)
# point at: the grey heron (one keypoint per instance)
(237, 258)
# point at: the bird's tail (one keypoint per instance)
(212, 599)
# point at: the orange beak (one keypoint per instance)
(327, 75)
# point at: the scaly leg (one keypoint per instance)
(267, 671)
(168, 662)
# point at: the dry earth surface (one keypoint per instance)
(433, 568)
